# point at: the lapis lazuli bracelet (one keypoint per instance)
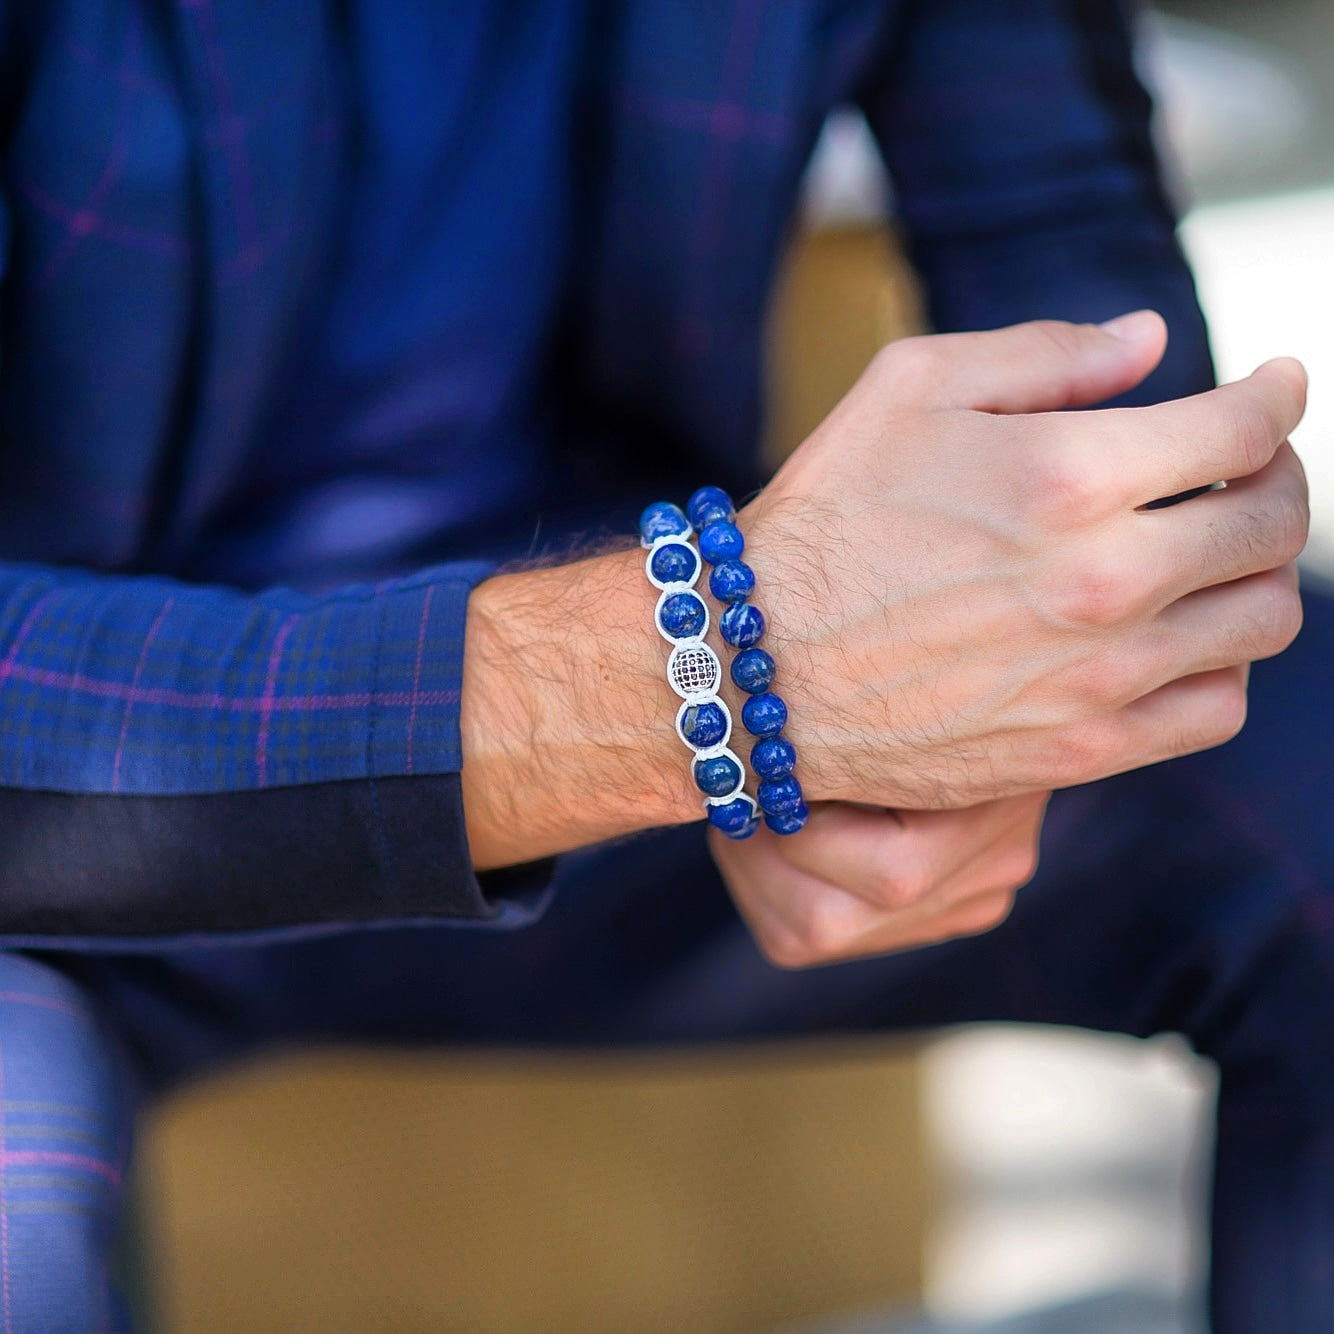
(764, 715)
(703, 721)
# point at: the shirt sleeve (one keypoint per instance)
(180, 759)
(1018, 138)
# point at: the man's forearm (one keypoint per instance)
(567, 717)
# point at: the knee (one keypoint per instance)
(65, 1118)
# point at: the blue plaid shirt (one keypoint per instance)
(305, 293)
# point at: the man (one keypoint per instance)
(304, 294)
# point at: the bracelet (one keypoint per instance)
(764, 714)
(703, 721)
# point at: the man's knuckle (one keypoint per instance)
(1269, 535)
(1094, 594)
(996, 912)
(1070, 758)
(1294, 526)
(822, 934)
(1017, 867)
(1217, 715)
(911, 361)
(1277, 618)
(1107, 679)
(1290, 617)
(1061, 489)
(1226, 713)
(901, 886)
(985, 915)
(1085, 751)
(785, 949)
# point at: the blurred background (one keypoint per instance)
(995, 1178)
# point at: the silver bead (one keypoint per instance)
(693, 670)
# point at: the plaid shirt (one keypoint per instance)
(184, 758)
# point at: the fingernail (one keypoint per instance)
(1131, 326)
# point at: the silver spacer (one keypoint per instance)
(670, 590)
(684, 540)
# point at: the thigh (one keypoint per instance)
(1160, 894)
(67, 1099)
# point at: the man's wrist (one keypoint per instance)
(567, 718)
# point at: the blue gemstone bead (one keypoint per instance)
(674, 563)
(773, 757)
(717, 776)
(779, 797)
(732, 581)
(721, 541)
(708, 505)
(752, 671)
(704, 725)
(742, 625)
(683, 615)
(736, 819)
(663, 519)
(790, 821)
(764, 715)
(714, 514)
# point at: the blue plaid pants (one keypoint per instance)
(1195, 897)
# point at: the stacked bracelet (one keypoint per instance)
(703, 721)
(764, 715)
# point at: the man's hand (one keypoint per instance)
(860, 881)
(967, 601)
(967, 597)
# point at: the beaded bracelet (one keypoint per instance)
(703, 721)
(764, 714)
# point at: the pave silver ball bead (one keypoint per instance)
(693, 670)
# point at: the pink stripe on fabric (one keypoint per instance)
(231, 126)
(738, 65)
(180, 699)
(165, 244)
(50, 1158)
(243, 264)
(134, 685)
(417, 670)
(130, 78)
(8, 668)
(86, 218)
(266, 704)
(692, 335)
(726, 120)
